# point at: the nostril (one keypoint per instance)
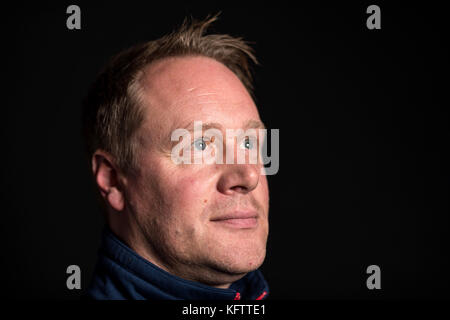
(239, 189)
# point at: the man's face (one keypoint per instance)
(182, 209)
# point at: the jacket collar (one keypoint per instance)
(121, 273)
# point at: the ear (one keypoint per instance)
(106, 175)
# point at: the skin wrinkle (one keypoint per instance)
(169, 208)
(205, 94)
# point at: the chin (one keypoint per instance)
(240, 263)
(231, 269)
(235, 254)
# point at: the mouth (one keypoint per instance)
(238, 220)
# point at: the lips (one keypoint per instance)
(238, 219)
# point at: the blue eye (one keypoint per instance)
(248, 143)
(200, 144)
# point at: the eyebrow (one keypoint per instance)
(250, 124)
(255, 124)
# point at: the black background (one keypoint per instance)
(364, 132)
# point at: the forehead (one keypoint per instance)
(184, 89)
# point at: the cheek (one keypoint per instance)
(191, 194)
(263, 192)
(184, 219)
(179, 188)
(264, 184)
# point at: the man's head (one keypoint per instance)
(203, 222)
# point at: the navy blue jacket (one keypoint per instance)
(121, 273)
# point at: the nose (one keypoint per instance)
(239, 178)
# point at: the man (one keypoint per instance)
(176, 231)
